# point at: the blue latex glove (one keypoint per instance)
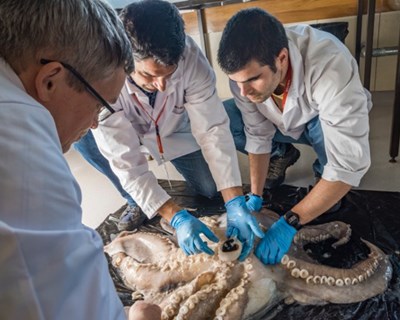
(188, 229)
(242, 225)
(276, 242)
(254, 202)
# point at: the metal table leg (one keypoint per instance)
(395, 134)
(369, 43)
(360, 10)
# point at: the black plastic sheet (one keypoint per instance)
(373, 216)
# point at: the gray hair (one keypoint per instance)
(86, 34)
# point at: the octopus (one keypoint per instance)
(222, 288)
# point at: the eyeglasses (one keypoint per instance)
(88, 87)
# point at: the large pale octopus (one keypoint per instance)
(220, 287)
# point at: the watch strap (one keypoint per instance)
(292, 219)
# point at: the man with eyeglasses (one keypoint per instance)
(170, 105)
(56, 76)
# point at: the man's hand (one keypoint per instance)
(188, 230)
(242, 224)
(276, 242)
(254, 202)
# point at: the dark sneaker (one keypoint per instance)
(131, 218)
(278, 166)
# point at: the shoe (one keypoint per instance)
(278, 166)
(336, 206)
(132, 218)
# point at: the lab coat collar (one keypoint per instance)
(7, 72)
(8, 76)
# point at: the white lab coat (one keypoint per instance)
(326, 83)
(193, 116)
(52, 266)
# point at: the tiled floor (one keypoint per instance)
(100, 197)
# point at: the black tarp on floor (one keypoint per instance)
(373, 215)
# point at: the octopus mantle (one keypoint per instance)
(220, 287)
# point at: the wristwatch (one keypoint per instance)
(292, 219)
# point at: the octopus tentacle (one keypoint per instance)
(337, 229)
(231, 306)
(165, 274)
(227, 276)
(318, 274)
(190, 291)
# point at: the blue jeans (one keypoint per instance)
(194, 168)
(312, 136)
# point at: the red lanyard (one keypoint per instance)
(287, 86)
(155, 121)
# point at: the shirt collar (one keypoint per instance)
(8, 73)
